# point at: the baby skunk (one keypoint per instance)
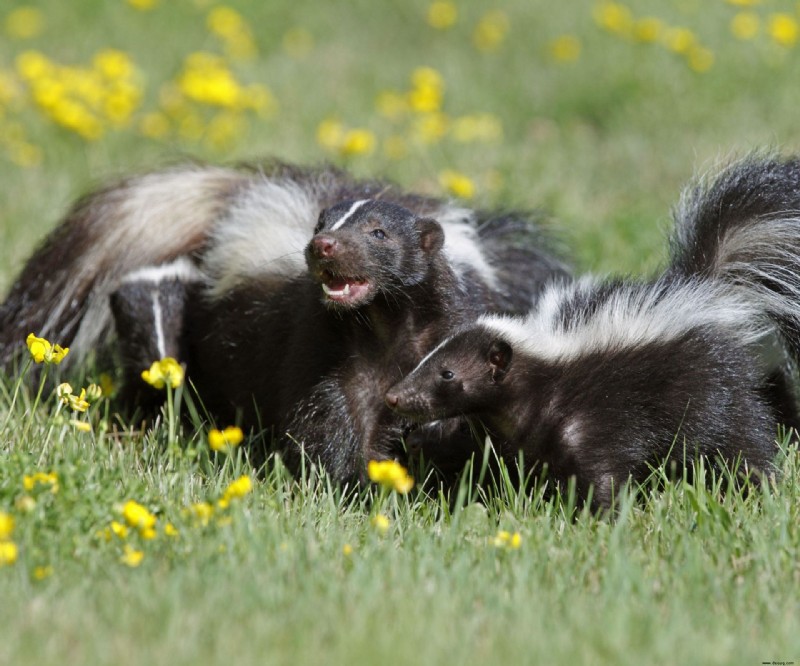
(237, 226)
(207, 264)
(380, 290)
(604, 379)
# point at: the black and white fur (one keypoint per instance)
(605, 379)
(253, 330)
(380, 289)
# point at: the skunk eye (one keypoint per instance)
(447, 375)
(380, 234)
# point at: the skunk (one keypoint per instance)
(207, 264)
(314, 356)
(605, 379)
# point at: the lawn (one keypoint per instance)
(131, 547)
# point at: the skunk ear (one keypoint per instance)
(499, 359)
(431, 235)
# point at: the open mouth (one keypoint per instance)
(344, 289)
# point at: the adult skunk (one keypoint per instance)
(605, 379)
(207, 264)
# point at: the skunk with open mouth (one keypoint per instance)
(207, 264)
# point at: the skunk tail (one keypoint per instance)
(743, 228)
(63, 291)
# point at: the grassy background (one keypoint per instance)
(603, 142)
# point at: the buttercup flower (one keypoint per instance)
(8, 553)
(42, 351)
(30, 481)
(380, 523)
(224, 440)
(505, 539)
(138, 516)
(6, 526)
(163, 372)
(132, 557)
(390, 474)
(236, 490)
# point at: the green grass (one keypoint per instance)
(687, 575)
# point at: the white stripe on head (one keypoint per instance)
(159, 324)
(431, 353)
(348, 214)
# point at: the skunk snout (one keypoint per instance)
(324, 246)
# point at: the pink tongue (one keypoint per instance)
(336, 284)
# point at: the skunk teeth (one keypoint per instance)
(341, 292)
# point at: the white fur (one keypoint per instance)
(182, 269)
(158, 320)
(146, 220)
(633, 316)
(348, 214)
(264, 232)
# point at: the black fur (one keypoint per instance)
(315, 368)
(613, 408)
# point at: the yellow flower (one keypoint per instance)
(77, 403)
(113, 64)
(783, 29)
(390, 474)
(93, 393)
(490, 31)
(237, 489)
(8, 553)
(442, 14)
(745, 25)
(143, 5)
(745, 3)
(427, 90)
(170, 530)
(507, 540)
(679, 40)
(566, 48)
(457, 184)
(30, 481)
(347, 550)
(648, 29)
(700, 59)
(201, 512)
(357, 142)
(167, 371)
(42, 351)
(81, 426)
(224, 440)
(119, 529)
(6, 526)
(614, 17)
(381, 523)
(138, 516)
(132, 557)
(42, 572)
(430, 127)
(24, 23)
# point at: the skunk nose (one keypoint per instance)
(392, 399)
(324, 246)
